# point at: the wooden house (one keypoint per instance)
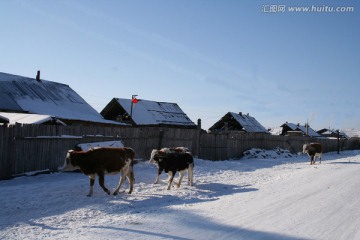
(146, 113)
(297, 129)
(238, 122)
(331, 133)
(37, 96)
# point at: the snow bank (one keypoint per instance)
(261, 153)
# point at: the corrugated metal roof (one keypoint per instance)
(147, 112)
(250, 124)
(23, 94)
(297, 127)
(238, 122)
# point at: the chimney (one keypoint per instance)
(38, 76)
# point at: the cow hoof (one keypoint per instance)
(115, 193)
(89, 195)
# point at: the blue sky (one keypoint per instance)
(209, 56)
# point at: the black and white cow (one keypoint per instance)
(313, 150)
(101, 161)
(172, 162)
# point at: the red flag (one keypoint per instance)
(134, 100)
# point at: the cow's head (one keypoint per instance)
(69, 164)
(156, 155)
(153, 155)
(305, 148)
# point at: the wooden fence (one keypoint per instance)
(231, 145)
(27, 148)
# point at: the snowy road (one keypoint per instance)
(283, 198)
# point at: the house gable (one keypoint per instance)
(146, 112)
(297, 127)
(238, 122)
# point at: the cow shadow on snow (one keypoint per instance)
(198, 227)
(31, 199)
(144, 206)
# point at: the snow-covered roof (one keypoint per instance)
(297, 127)
(352, 132)
(250, 124)
(147, 112)
(245, 122)
(25, 118)
(327, 132)
(28, 95)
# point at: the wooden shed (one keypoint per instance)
(297, 129)
(331, 133)
(146, 113)
(238, 122)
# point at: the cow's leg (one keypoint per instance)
(126, 172)
(102, 182)
(131, 179)
(92, 181)
(181, 173)
(312, 160)
(121, 181)
(158, 176)
(171, 178)
(318, 155)
(191, 175)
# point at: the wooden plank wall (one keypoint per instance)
(26, 148)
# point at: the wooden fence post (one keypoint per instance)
(197, 140)
(5, 160)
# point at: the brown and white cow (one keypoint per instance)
(102, 161)
(172, 162)
(313, 150)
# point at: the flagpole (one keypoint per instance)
(132, 104)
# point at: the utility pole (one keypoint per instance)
(338, 141)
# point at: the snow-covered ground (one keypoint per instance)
(281, 198)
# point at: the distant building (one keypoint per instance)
(27, 118)
(352, 133)
(146, 113)
(297, 129)
(238, 122)
(330, 133)
(37, 96)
